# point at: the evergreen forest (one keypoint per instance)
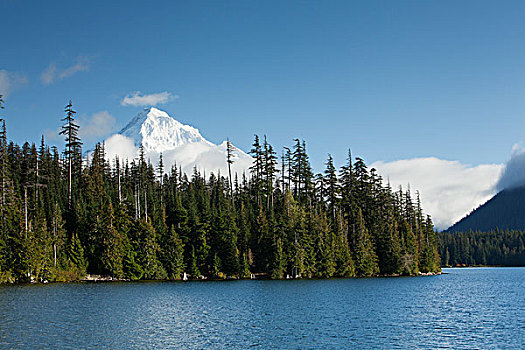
(65, 215)
(494, 248)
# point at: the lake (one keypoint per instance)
(464, 308)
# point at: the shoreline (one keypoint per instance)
(108, 279)
(478, 266)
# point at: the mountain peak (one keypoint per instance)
(181, 145)
(157, 131)
(154, 113)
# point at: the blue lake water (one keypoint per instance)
(464, 308)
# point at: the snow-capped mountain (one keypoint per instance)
(159, 132)
(179, 144)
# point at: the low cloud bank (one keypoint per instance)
(207, 158)
(449, 189)
(121, 146)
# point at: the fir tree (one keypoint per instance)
(73, 144)
(173, 255)
(62, 218)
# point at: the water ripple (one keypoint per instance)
(466, 308)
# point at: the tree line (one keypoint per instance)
(495, 247)
(64, 216)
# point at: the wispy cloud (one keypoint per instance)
(52, 135)
(449, 189)
(137, 98)
(52, 73)
(10, 81)
(49, 74)
(82, 65)
(92, 127)
(96, 126)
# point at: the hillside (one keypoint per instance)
(506, 210)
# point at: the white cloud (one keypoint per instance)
(137, 98)
(52, 73)
(97, 126)
(448, 189)
(10, 81)
(513, 174)
(122, 146)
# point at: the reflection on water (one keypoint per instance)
(465, 308)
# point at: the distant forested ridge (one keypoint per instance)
(63, 216)
(506, 210)
(497, 247)
(492, 234)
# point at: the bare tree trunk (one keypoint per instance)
(145, 206)
(229, 160)
(3, 145)
(135, 194)
(119, 186)
(70, 177)
(25, 209)
(54, 240)
(36, 180)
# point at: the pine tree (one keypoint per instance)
(112, 246)
(63, 218)
(76, 256)
(229, 159)
(73, 144)
(148, 251)
(389, 248)
(193, 268)
(278, 261)
(332, 189)
(326, 249)
(132, 270)
(409, 261)
(257, 168)
(173, 255)
(269, 171)
(365, 256)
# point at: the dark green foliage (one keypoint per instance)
(364, 254)
(148, 248)
(75, 254)
(135, 221)
(504, 248)
(173, 254)
(278, 266)
(132, 270)
(193, 270)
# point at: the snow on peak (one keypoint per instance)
(158, 132)
(180, 144)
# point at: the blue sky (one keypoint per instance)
(391, 79)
